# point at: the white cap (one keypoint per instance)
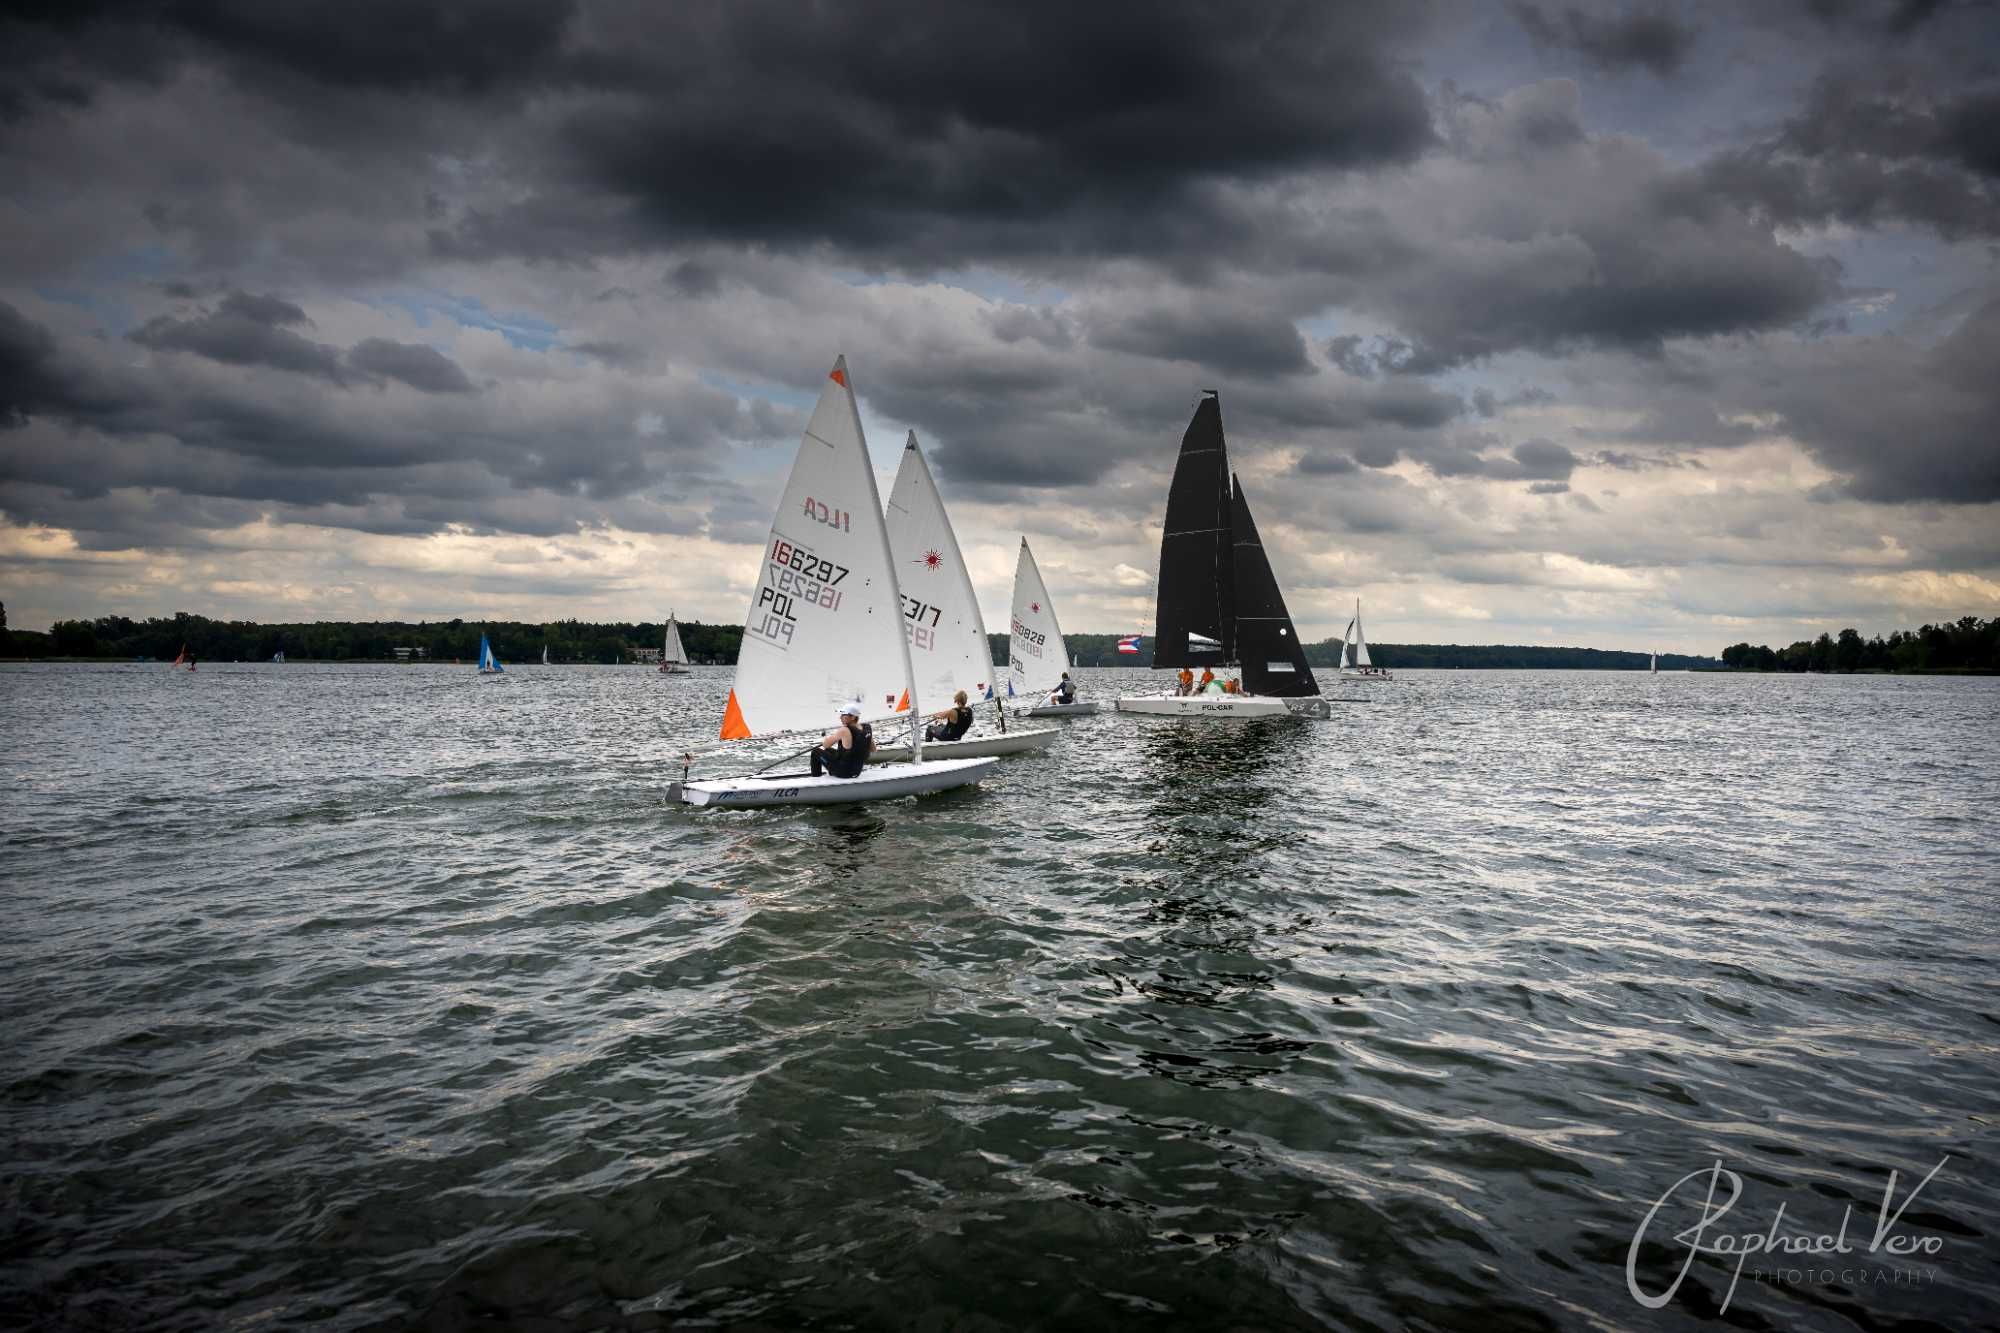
(850, 709)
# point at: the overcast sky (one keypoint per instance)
(1623, 325)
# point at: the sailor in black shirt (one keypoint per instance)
(952, 723)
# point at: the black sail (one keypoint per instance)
(1274, 661)
(1195, 623)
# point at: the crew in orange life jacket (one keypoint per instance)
(1187, 681)
(952, 723)
(843, 752)
(1207, 679)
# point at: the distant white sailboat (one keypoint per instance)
(825, 631)
(673, 657)
(1653, 666)
(1354, 663)
(1037, 656)
(489, 665)
(545, 654)
(949, 651)
(278, 656)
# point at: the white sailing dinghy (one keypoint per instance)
(948, 646)
(545, 654)
(673, 657)
(826, 627)
(1037, 656)
(1354, 663)
(1219, 603)
(1653, 665)
(489, 665)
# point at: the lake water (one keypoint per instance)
(373, 996)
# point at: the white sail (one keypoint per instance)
(1347, 647)
(825, 624)
(1360, 641)
(1653, 665)
(948, 648)
(671, 651)
(1036, 653)
(545, 654)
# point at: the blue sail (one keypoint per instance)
(487, 661)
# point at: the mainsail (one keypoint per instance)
(825, 624)
(1036, 653)
(948, 647)
(488, 663)
(671, 651)
(1360, 640)
(1274, 661)
(1195, 621)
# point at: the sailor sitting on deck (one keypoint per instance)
(1207, 685)
(952, 723)
(844, 751)
(1064, 693)
(1187, 682)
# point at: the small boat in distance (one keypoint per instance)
(489, 665)
(1037, 656)
(673, 657)
(545, 654)
(1653, 665)
(1354, 663)
(182, 660)
(279, 656)
(825, 633)
(1219, 603)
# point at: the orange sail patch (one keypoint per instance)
(838, 376)
(734, 728)
(903, 704)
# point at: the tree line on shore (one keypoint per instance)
(1966, 644)
(573, 641)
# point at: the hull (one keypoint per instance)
(972, 747)
(879, 784)
(673, 671)
(1366, 677)
(1056, 710)
(1202, 705)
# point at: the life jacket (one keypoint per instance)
(848, 761)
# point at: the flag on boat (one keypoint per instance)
(1130, 643)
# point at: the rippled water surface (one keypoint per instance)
(360, 996)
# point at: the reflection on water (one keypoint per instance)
(387, 997)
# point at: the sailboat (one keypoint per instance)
(949, 651)
(1653, 664)
(489, 665)
(1354, 663)
(825, 629)
(673, 657)
(279, 656)
(182, 660)
(1037, 657)
(1219, 603)
(545, 654)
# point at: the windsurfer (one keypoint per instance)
(952, 723)
(843, 752)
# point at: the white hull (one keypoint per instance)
(1202, 705)
(875, 784)
(673, 671)
(1056, 710)
(1366, 677)
(972, 747)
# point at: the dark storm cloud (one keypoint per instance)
(1903, 422)
(1325, 463)
(245, 330)
(415, 364)
(1877, 144)
(1249, 343)
(927, 144)
(1652, 39)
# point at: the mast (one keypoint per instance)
(1195, 619)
